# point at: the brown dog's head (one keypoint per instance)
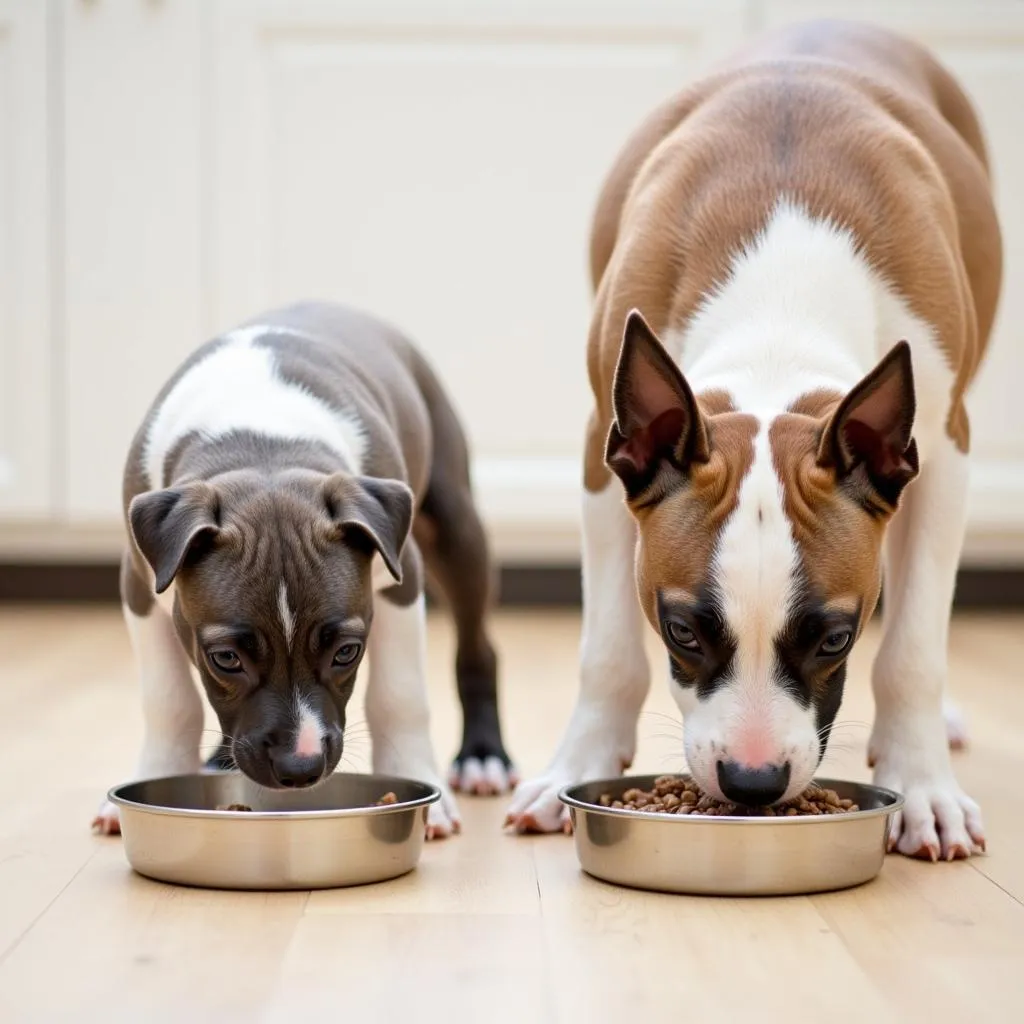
(273, 601)
(759, 553)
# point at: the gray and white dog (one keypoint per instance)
(285, 495)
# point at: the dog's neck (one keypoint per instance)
(799, 313)
(195, 457)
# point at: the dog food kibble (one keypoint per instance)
(233, 807)
(672, 795)
(387, 798)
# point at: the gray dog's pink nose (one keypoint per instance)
(753, 787)
(297, 770)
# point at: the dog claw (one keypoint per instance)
(107, 821)
(487, 777)
(957, 852)
(526, 824)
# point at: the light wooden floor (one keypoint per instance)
(491, 928)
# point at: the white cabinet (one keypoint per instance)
(435, 163)
(132, 253)
(27, 413)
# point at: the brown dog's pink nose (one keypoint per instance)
(753, 787)
(296, 770)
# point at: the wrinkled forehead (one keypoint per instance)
(272, 579)
(763, 529)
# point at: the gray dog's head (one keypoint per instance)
(274, 599)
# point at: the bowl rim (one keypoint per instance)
(565, 794)
(114, 795)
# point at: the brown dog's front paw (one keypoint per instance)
(107, 821)
(443, 818)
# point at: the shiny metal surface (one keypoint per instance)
(325, 837)
(730, 856)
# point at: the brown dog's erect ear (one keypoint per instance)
(656, 416)
(171, 526)
(872, 427)
(378, 510)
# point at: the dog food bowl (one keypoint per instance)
(330, 836)
(731, 856)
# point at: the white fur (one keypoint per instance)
(237, 387)
(286, 615)
(487, 777)
(801, 310)
(309, 737)
(615, 677)
(172, 710)
(396, 705)
(751, 718)
(909, 745)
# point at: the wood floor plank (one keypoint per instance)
(409, 967)
(490, 927)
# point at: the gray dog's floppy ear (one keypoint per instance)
(169, 525)
(378, 509)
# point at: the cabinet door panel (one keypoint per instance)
(27, 456)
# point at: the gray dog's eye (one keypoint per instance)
(346, 654)
(226, 660)
(682, 636)
(835, 643)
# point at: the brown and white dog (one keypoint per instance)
(804, 252)
(269, 495)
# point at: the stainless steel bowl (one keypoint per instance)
(730, 856)
(320, 838)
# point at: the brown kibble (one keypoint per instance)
(233, 807)
(672, 795)
(387, 798)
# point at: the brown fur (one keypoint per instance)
(859, 126)
(679, 532)
(839, 540)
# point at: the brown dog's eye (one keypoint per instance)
(835, 643)
(225, 660)
(682, 636)
(346, 654)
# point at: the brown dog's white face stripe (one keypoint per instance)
(758, 558)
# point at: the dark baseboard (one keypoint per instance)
(522, 586)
